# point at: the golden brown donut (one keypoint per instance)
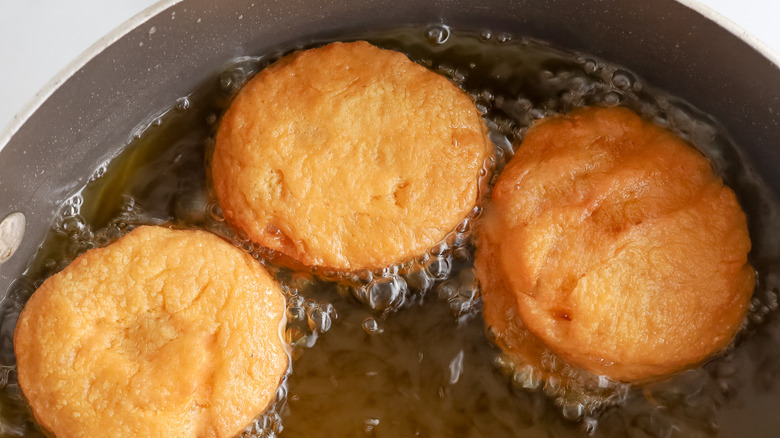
(611, 242)
(348, 157)
(163, 333)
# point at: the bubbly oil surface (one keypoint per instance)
(403, 351)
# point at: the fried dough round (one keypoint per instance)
(348, 157)
(612, 243)
(163, 333)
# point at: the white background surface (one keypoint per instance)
(38, 38)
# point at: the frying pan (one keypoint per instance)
(51, 152)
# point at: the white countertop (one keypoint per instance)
(38, 38)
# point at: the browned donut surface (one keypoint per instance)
(163, 333)
(349, 156)
(614, 245)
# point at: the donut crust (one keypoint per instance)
(167, 333)
(349, 157)
(612, 243)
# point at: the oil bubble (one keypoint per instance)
(319, 321)
(98, 173)
(360, 293)
(462, 254)
(363, 276)
(573, 411)
(613, 98)
(387, 293)
(552, 385)
(527, 377)
(269, 424)
(591, 66)
(182, 104)
(295, 314)
(438, 267)
(74, 225)
(447, 290)
(371, 326)
(501, 362)
(589, 425)
(369, 424)
(503, 38)
(190, 207)
(439, 249)
(438, 34)
(72, 206)
(419, 281)
(622, 80)
(215, 211)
